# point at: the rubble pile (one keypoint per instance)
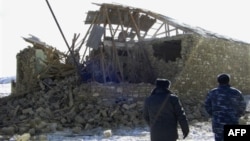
(70, 106)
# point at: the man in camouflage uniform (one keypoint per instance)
(225, 104)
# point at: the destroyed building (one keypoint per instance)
(126, 44)
(115, 65)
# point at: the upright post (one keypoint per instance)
(71, 53)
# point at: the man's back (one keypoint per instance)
(225, 104)
(161, 109)
(162, 112)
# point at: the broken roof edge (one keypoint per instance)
(183, 26)
(36, 42)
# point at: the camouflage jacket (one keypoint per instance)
(225, 105)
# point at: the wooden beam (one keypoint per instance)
(115, 56)
(136, 27)
(154, 35)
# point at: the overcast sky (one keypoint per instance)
(19, 18)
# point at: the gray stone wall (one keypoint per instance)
(203, 58)
(26, 63)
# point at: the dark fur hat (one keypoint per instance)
(223, 78)
(160, 82)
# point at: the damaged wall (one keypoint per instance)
(202, 59)
(26, 66)
(38, 63)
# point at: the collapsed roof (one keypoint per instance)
(114, 46)
(139, 24)
(115, 30)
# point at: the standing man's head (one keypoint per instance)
(223, 78)
(163, 83)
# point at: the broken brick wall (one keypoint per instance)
(26, 65)
(38, 63)
(202, 59)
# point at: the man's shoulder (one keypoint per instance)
(235, 90)
(173, 97)
(212, 91)
(223, 92)
(225, 88)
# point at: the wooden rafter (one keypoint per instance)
(136, 27)
(154, 35)
(115, 57)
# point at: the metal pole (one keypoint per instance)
(71, 53)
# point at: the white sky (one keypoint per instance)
(19, 18)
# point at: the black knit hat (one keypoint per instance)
(223, 78)
(163, 83)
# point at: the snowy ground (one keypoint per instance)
(5, 89)
(198, 132)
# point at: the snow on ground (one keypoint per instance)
(5, 89)
(200, 131)
(8, 79)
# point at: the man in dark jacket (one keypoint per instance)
(163, 111)
(225, 105)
